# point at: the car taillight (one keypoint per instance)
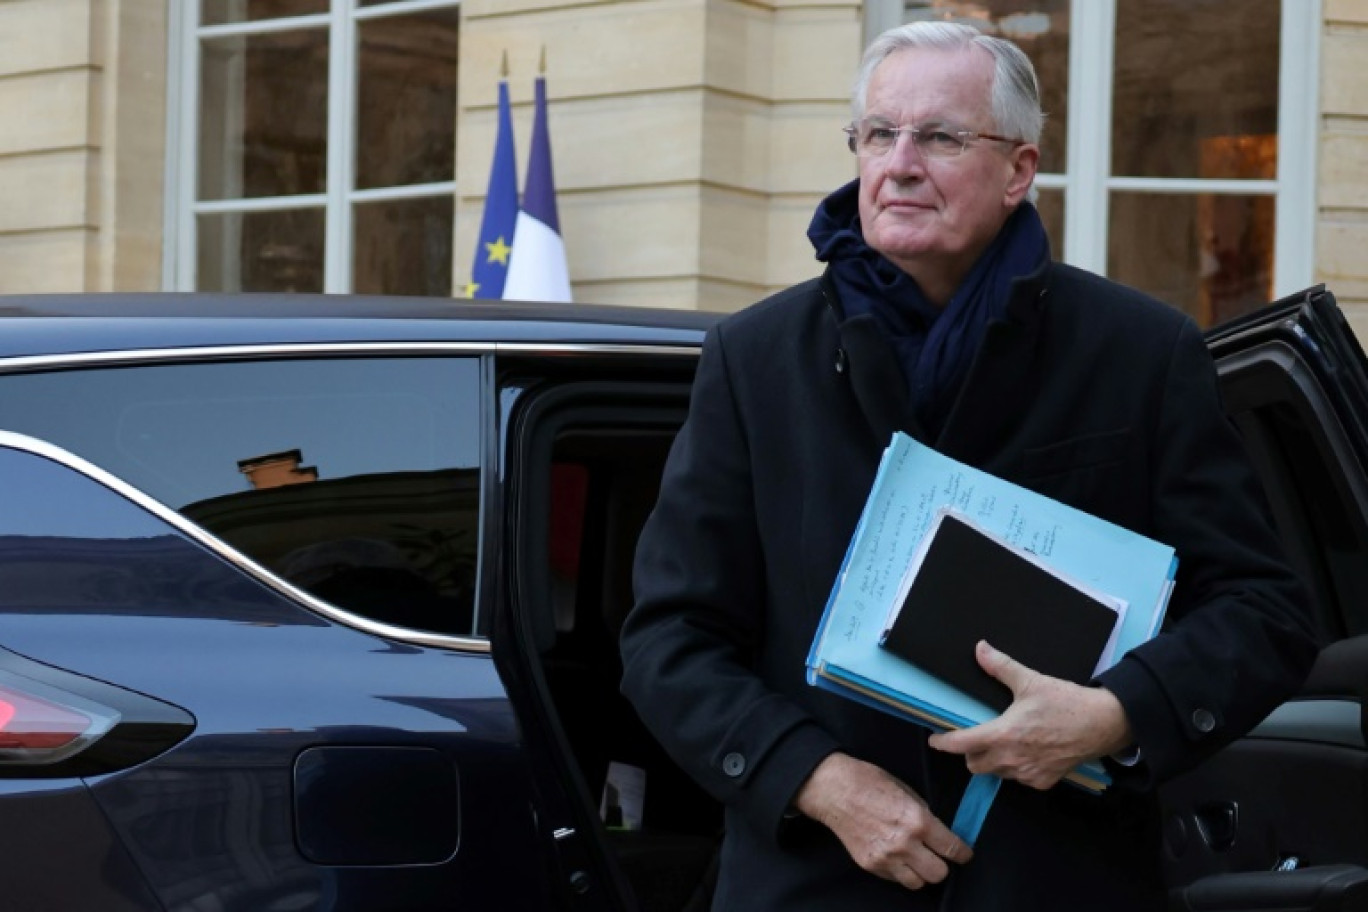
(55, 723)
(39, 725)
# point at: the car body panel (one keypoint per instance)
(127, 597)
(62, 870)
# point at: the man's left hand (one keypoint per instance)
(1051, 727)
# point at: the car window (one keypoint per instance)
(355, 479)
(70, 544)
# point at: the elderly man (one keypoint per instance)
(940, 313)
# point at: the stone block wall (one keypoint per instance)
(1342, 185)
(691, 138)
(82, 107)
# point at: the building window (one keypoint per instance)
(314, 146)
(1179, 153)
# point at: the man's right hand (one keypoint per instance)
(885, 826)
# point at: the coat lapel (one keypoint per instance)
(877, 380)
(994, 399)
(1001, 386)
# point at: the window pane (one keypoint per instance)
(1041, 29)
(218, 12)
(1195, 95)
(355, 479)
(403, 247)
(1210, 255)
(45, 499)
(406, 106)
(263, 115)
(1051, 206)
(69, 544)
(261, 251)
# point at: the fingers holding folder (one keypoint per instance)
(1050, 727)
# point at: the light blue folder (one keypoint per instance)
(912, 484)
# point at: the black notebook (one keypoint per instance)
(970, 586)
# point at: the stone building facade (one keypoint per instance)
(691, 140)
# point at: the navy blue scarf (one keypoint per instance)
(934, 346)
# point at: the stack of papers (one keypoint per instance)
(1125, 574)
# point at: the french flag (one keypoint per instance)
(537, 269)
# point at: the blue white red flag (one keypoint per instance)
(537, 269)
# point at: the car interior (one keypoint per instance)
(596, 458)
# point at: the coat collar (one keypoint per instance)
(996, 395)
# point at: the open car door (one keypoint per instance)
(1279, 820)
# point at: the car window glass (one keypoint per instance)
(70, 544)
(44, 499)
(355, 479)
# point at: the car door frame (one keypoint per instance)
(1294, 380)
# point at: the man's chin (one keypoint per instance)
(900, 247)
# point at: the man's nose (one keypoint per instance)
(905, 159)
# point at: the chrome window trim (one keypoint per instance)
(20, 363)
(596, 348)
(24, 443)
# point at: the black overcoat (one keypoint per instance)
(1088, 392)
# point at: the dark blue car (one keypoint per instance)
(312, 603)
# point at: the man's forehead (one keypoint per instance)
(971, 63)
(938, 83)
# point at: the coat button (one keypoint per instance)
(733, 764)
(1203, 720)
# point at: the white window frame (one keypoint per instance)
(340, 196)
(1088, 183)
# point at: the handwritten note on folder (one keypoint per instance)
(913, 486)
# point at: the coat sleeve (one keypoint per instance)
(690, 644)
(1238, 638)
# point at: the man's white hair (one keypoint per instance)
(1016, 92)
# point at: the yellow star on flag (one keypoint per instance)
(498, 251)
(471, 288)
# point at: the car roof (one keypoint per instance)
(68, 323)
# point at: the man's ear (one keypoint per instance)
(1023, 162)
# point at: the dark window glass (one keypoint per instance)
(1208, 254)
(69, 544)
(406, 99)
(263, 123)
(219, 12)
(403, 247)
(1196, 89)
(44, 499)
(357, 480)
(261, 251)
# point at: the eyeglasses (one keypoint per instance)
(872, 137)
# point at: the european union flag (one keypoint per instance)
(500, 211)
